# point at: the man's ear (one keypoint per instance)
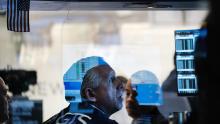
(90, 94)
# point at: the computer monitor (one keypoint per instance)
(185, 41)
(25, 111)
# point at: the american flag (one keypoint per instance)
(18, 15)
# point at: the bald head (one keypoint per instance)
(96, 76)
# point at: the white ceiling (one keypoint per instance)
(59, 5)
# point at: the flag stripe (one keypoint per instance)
(20, 21)
(23, 15)
(8, 14)
(14, 14)
(17, 21)
(28, 23)
(12, 11)
(25, 21)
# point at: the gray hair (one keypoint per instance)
(96, 76)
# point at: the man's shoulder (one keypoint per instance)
(69, 118)
(98, 117)
(53, 119)
(79, 118)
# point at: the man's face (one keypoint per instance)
(131, 103)
(3, 102)
(118, 84)
(133, 108)
(109, 94)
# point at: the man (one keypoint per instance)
(143, 111)
(3, 102)
(100, 99)
(99, 91)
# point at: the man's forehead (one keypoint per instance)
(102, 68)
(106, 70)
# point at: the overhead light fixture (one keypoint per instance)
(147, 5)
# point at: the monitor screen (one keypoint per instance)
(25, 111)
(185, 41)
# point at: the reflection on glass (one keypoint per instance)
(146, 84)
(74, 75)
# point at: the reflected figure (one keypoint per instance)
(142, 105)
(4, 112)
(173, 102)
(101, 97)
(170, 84)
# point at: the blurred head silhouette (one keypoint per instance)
(3, 102)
